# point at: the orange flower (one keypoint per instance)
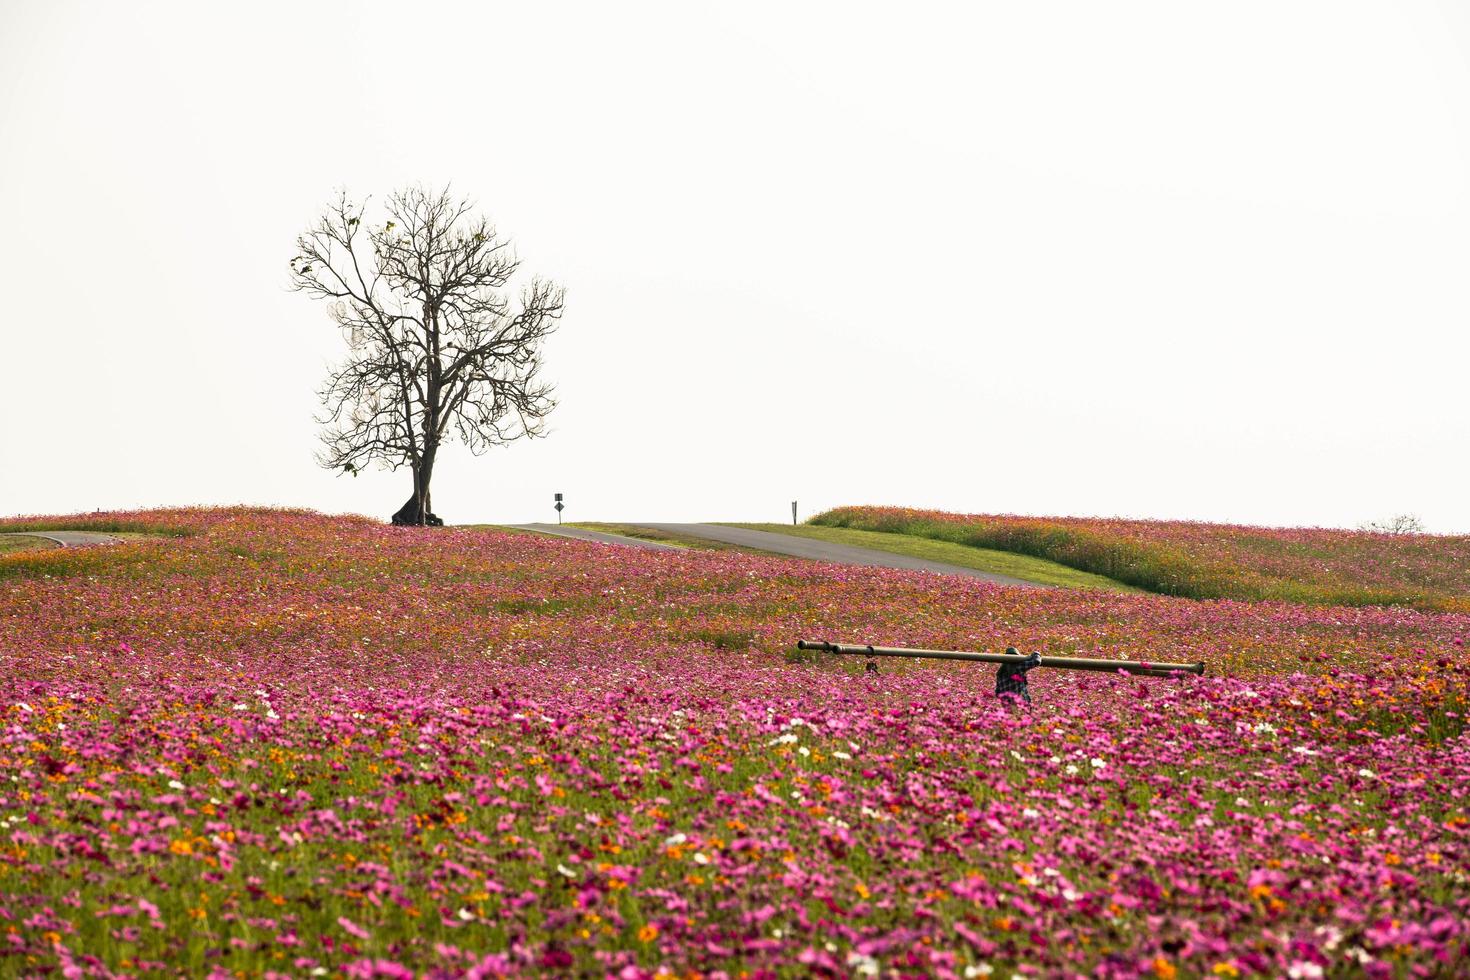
(647, 933)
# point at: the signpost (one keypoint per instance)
(559, 506)
(793, 513)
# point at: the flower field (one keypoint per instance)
(295, 745)
(1211, 561)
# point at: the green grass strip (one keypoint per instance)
(1024, 567)
(20, 542)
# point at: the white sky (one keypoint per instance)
(1150, 259)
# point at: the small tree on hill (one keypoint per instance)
(1402, 524)
(435, 346)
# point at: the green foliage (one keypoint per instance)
(104, 524)
(539, 606)
(1034, 569)
(10, 543)
(724, 639)
(1202, 561)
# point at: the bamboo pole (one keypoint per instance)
(1139, 667)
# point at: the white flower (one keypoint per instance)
(242, 707)
(1071, 769)
(1303, 969)
(979, 970)
(675, 840)
(565, 871)
(1367, 774)
(175, 784)
(1098, 763)
(1030, 814)
(841, 755)
(1265, 727)
(1016, 755)
(700, 858)
(786, 739)
(465, 915)
(804, 750)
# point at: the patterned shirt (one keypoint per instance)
(1011, 678)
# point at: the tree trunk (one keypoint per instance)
(417, 510)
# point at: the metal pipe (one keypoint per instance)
(1140, 667)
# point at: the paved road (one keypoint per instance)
(841, 554)
(68, 538)
(582, 534)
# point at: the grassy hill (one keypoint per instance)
(1024, 567)
(23, 542)
(1210, 561)
(287, 740)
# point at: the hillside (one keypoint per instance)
(1210, 561)
(283, 741)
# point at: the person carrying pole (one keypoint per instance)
(1010, 679)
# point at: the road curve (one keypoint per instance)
(582, 534)
(67, 539)
(841, 554)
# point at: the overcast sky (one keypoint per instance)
(1193, 260)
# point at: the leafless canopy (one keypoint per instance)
(1402, 524)
(436, 346)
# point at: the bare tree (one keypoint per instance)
(1399, 525)
(435, 346)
